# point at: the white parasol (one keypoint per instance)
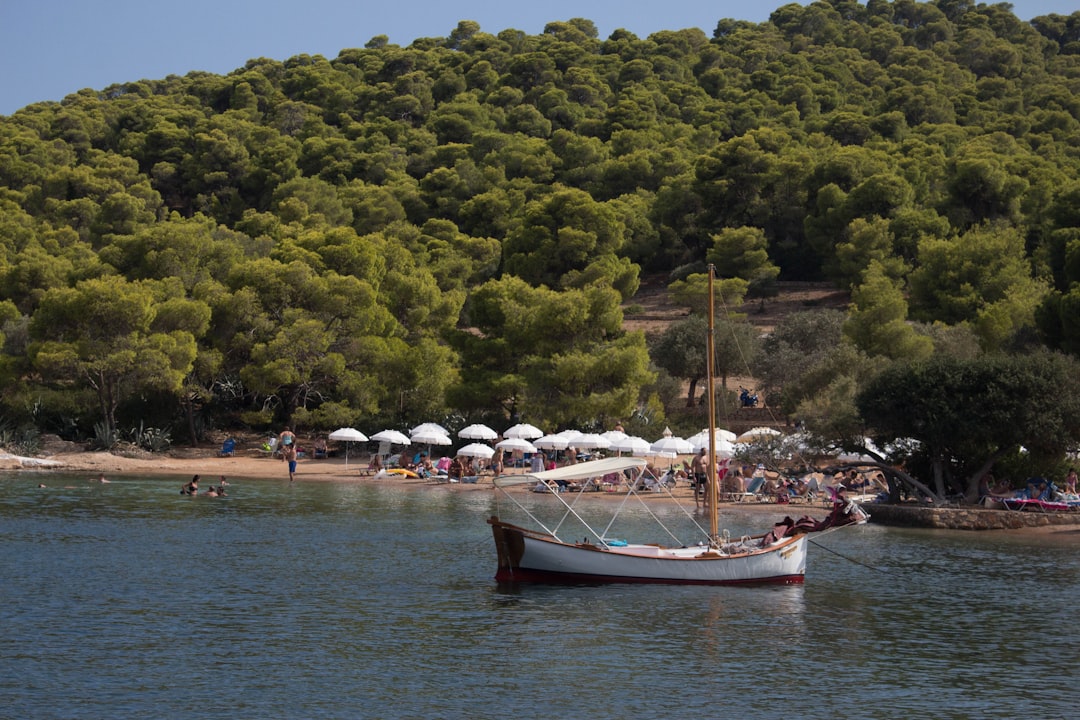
(478, 432)
(592, 441)
(523, 430)
(551, 442)
(724, 447)
(394, 437)
(672, 444)
(702, 438)
(614, 436)
(756, 434)
(430, 437)
(570, 435)
(514, 443)
(347, 435)
(636, 446)
(429, 427)
(477, 450)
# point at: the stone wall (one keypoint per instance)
(962, 518)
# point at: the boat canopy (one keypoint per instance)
(580, 471)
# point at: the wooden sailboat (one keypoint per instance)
(776, 556)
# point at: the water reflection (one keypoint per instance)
(339, 600)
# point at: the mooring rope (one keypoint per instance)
(845, 557)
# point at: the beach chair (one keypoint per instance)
(228, 448)
(611, 482)
(729, 493)
(374, 466)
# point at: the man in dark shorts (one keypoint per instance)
(698, 467)
(288, 453)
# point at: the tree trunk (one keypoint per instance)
(189, 412)
(892, 476)
(939, 479)
(692, 393)
(971, 494)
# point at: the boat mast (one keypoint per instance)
(713, 484)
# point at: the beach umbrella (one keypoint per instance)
(429, 427)
(478, 432)
(592, 441)
(614, 436)
(724, 447)
(347, 435)
(702, 438)
(636, 446)
(514, 443)
(477, 450)
(430, 437)
(570, 436)
(756, 434)
(671, 444)
(394, 437)
(551, 442)
(523, 430)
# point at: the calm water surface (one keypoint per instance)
(323, 600)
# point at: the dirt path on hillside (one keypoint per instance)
(653, 311)
(657, 311)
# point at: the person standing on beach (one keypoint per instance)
(1070, 482)
(286, 439)
(699, 469)
(288, 454)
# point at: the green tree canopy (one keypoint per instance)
(100, 334)
(966, 415)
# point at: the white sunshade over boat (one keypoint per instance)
(580, 471)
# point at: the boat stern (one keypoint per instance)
(509, 546)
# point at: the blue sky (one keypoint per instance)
(50, 48)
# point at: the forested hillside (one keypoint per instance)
(452, 228)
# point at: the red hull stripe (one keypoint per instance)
(543, 576)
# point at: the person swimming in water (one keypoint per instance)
(191, 488)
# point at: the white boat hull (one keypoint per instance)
(528, 556)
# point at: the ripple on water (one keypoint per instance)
(342, 601)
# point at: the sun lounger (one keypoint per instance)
(753, 492)
(1036, 505)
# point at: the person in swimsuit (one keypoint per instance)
(191, 488)
(1070, 482)
(286, 438)
(288, 454)
(699, 470)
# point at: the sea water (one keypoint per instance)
(336, 600)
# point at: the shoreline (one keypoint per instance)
(208, 464)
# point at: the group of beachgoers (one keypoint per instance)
(754, 480)
(734, 483)
(1037, 489)
(192, 488)
(453, 469)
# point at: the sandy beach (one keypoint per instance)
(253, 464)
